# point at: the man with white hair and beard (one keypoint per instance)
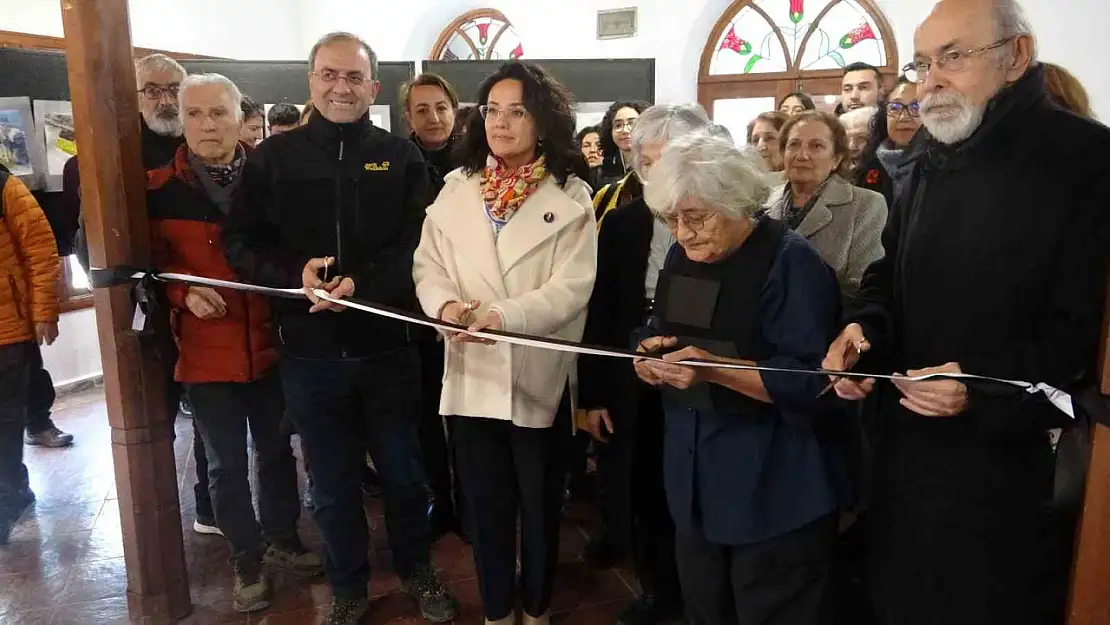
(996, 258)
(158, 78)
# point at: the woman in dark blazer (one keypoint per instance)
(622, 414)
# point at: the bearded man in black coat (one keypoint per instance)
(996, 259)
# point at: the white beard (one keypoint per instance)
(167, 127)
(951, 128)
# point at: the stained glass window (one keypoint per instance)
(484, 34)
(839, 32)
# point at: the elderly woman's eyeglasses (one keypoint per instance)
(895, 109)
(951, 61)
(693, 221)
(513, 114)
(155, 92)
(330, 77)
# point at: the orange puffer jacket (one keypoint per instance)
(29, 264)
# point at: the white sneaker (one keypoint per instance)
(206, 527)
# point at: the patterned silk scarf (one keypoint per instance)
(504, 189)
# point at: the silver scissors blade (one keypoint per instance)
(836, 379)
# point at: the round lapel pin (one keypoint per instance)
(549, 217)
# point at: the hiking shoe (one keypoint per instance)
(205, 525)
(9, 518)
(252, 589)
(50, 437)
(437, 604)
(347, 611)
(293, 556)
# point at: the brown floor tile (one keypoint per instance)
(96, 580)
(36, 617)
(108, 611)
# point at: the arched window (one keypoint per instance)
(761, 50)
(479, 35)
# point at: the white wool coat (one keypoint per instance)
(538, 273)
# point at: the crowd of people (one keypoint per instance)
(940, 221)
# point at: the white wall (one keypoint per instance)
(75, 356)
(673, 32)
(243, 29)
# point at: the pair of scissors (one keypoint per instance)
(836, 379)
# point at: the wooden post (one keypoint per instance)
(1090, 591)
(113, 192)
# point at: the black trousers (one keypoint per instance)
(222, 412)
(435, 430)
(15, 383)
(41, 397)
(634, 505)
(508, 472)
(782, 581)
(653, 531)
(333, 403)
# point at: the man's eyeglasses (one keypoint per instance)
(951, 60)
(693, 221)
(621, 126)
(330, 78)
(513, 114)
(895, 109)
(155, 92)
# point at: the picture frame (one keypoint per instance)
(54, 125)
(21, 149)
(616, 23)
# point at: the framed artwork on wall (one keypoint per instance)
(54, 122)
(20, 150)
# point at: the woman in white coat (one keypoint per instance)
(509, 244)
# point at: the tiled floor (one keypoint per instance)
(65, 564)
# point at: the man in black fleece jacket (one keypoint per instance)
(339, 204)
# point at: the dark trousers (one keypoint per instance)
(508, 471)
(333, 404)
(435, 431)
(634, 505)
(41, 397)
(653, 532)
(15, 383)
(166, 349)
(222, 412)
(781, 581)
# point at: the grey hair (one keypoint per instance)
(340, 36)
(157, 63)
(197, 80)
(662, 123)
(1010, 21)
(858, 117)
(710, 170)
(718, 130)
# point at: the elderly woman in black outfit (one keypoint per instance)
(623, 415)
(751, 485)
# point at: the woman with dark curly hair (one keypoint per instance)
(509, 244)
(616, 140)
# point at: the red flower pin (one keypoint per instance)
(873, 176)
